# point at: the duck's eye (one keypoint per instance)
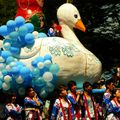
(75, 15)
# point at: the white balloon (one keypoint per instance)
(2, 66)
(7, 78)
(47, 76)
(47, 63)
(5, 86)
(40, 65)
(8, 68)
(35, 33)
(2, 59)
(1, 75)
(19, 80)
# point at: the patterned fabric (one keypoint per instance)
(106, 101)
(113, 110)
(13, 111)
(106, 98)
(57, 113)
(89, 108)
(75, 104)
(32, 109)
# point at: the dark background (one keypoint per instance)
(102, 16)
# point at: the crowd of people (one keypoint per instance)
(68, 103)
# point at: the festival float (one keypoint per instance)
(30, 57)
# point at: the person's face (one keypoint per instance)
(63, 93)
(73, 88)
(31, 93)
(111, 86)
(89, 88)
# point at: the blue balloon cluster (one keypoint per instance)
(16, 76)
(18, 34)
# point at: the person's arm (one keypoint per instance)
(28, 102)
(37, 100)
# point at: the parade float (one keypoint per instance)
(29, 57)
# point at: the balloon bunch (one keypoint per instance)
(14, 74)
(18, 34)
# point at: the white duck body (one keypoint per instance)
(75, 61)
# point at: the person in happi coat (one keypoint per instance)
(12, 109)
(113, 108)
(32, 104)
(62, 108)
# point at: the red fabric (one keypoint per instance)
(24, 6)
(58, 27)
(69, 111)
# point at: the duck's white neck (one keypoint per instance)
(69, 35)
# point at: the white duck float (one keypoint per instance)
(75, 61)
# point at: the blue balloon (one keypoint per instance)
(11, 24)
(23, 30)
(3, 30)
(15, 50)
(24, 71)
(14, 35)
(4, 72)
(39, 82)
(7, 40)
(5, 54)
(34, 63)
(42, 35)
(21, 41)
(48, 57)
(29, 38)
(10, 59)
(35, 72)
(20, 63)
(30, 27)
(54, 68)
(15, 70)
(19, 21)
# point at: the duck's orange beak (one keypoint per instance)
(79, 25)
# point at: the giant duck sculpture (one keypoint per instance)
(75, 61)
